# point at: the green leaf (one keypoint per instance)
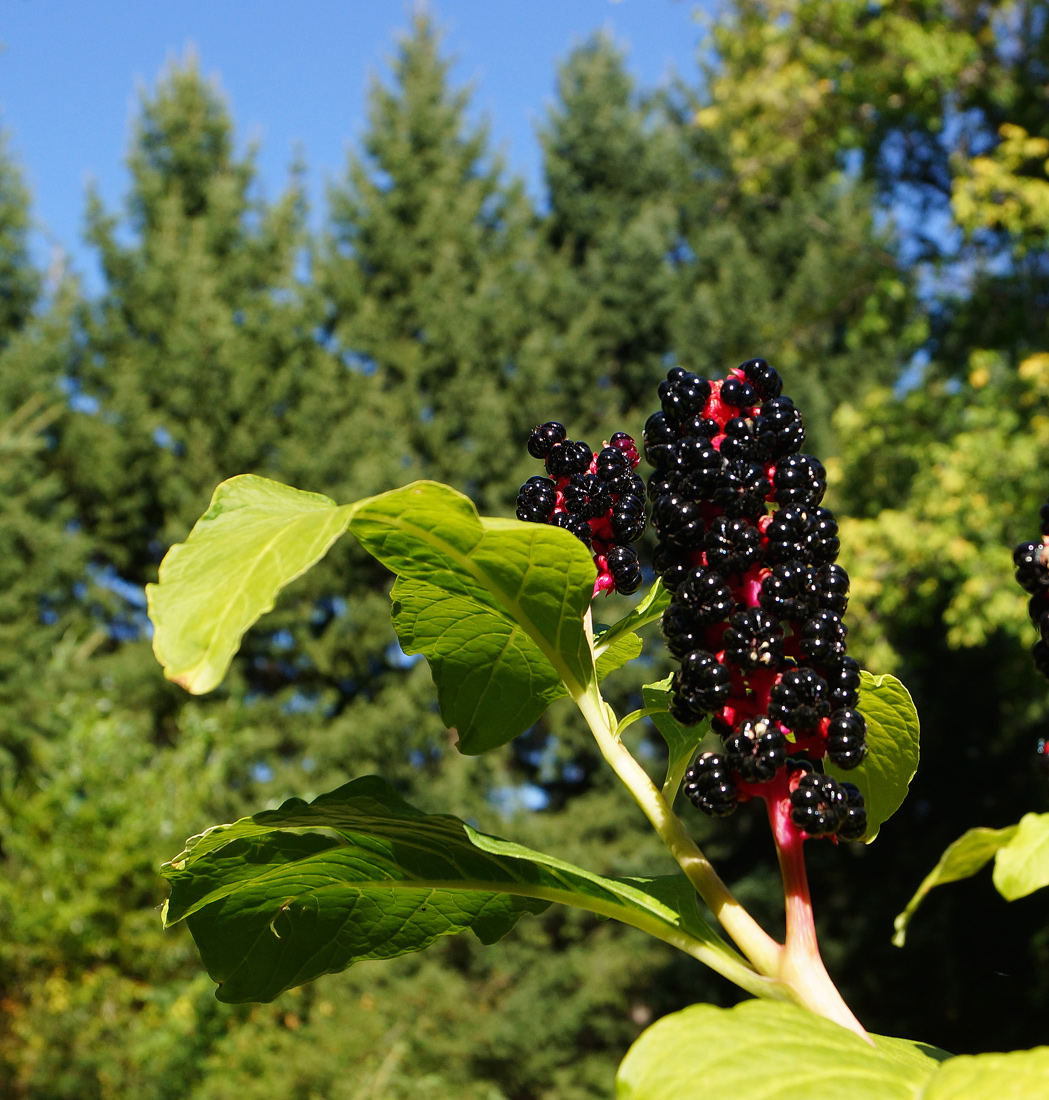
(682, 741)
(256, 536)
(655, 602)
(492, 682)
(962, 859)
(1022, 865)
(625, 648)
(762, 1050)
(892, 749)
(283, 897)
(1019, 1075)
(496, 606)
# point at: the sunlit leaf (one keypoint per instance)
(763, 1050)
(962, 859)
(1022, 865)
(1018, 1075)
(892, 749)
(256, 537)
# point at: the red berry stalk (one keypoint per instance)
(597, 497)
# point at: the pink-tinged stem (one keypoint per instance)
(801, 965)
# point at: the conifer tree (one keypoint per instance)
(427, 268)
(612, 166)
(41, 557)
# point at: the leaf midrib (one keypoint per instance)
(516, 887)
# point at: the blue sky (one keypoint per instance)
(295, 73)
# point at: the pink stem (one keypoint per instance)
(801, 965)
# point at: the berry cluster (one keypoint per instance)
(1032, 574)
(757, 598)
(598, 498)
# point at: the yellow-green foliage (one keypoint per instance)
(950, 504)
(1007, 190)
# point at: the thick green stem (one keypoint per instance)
(801, 965)
(750, 937)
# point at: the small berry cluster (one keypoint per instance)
(757, 598)
(1032, 574)
(597, 497)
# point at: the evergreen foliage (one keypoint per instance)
(610, 163)
(427, 270)
(41, 557)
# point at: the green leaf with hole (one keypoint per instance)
(495, 605)
(1022, 865)
(762, 1050)
(256, 537)
(682, 741)
(288, 895)
(962, 859)
(892, 749)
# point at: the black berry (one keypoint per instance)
(628, 518)
(818, 805)
(832, 583)
(753, 640)
(625, 569)
(1031, 571)
(757, 751)
(855, 823)
(823, 637)
(732, 545)
(742, 489)
(710, 785)
(702, 682)
(800, 699)
(789, 592)
(545, 437)
(765, 379)
(846, 738)
(800, 480)
(536, 500)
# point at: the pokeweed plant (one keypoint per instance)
(750, 602)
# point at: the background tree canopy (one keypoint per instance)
(856, 192)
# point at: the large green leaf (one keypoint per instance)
(1019, 1075)
(283, 897)
(682, 741)
(1022, 865)
(892, 744)
(963, 858)
(496, 606)
(762, 1050)
(256, 537)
